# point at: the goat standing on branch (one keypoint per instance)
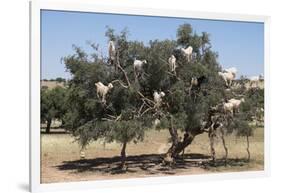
(228, 108)
(158, 98)
(228, 76)
(102, 90)
(236, 103)
(111, 52)
(138, 66)
(187, 53)
(196, 82)
(172, 63)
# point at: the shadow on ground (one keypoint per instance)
(148, 163)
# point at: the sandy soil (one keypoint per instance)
(60, 158)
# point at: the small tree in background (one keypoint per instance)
(52, 105)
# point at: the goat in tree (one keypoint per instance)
(228, 76)
(111, 52)
(187, 52)
(102, 90)
(236, 103)
(138, 66)
(172, 63)
(158, 98)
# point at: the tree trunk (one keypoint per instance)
(248, 148)
(190, 133)
(123, 155)
(224, 146)
(212, 145)
(49, 121)
(179, 146)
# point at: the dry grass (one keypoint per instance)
(51, 84)
(60, 161)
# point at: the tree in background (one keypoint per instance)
(52, 105)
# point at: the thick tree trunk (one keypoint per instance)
(123, 155)
(49, 121)
(190, 133)
(179, 146)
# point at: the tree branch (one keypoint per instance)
(145, 98)
(124, 72)
(120, 82)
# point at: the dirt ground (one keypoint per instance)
(60, 157)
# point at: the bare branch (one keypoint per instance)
(120, 82)
(145, 98)
(106, 119)
(148, 109)
(124, 72)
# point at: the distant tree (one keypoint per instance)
(59, 79)
(52, 105)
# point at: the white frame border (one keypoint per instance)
(34, 102)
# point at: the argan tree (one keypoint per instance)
(129, 109)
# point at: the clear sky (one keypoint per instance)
(239, 44)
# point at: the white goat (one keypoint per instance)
(138, 66)
(188, 53)
(228, 108)
(111, 51)
(158, 98)
(102, 90)
(228, 75)
(231, 70)
(236, 103)
(172, 63)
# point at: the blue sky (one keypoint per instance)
(239, 44)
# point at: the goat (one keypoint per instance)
(236, 103)
(228, 107)
(187, 52)
(138, 66)
(158, 98)
(231, 70)
(102, 90)
(196, 82)
(111, 52)
(172, 63)
(228, 76)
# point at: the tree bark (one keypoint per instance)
(49, 121)
(179, 146)
(123, 155)
(224, 146)
(212, 145)
(190, 133)
(248, 148)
